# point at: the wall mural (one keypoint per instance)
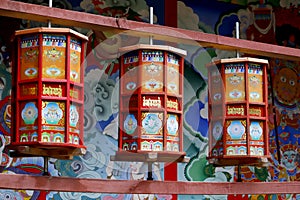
(101, 98)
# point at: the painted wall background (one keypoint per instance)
(280, 26)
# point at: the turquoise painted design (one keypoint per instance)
(236, 130)
(217, 130)
(29, 113)
(152, 123)
(256, 130)
(52, 113)
(172, 125)
(74, 116)
(130, 124)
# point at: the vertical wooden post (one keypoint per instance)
(170, 15)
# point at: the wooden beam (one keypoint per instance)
(70, 18)
(21, 10)
(170, 13)
(65, 184)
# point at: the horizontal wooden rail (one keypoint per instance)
(65, 184)
(100, 23)
(71, 18)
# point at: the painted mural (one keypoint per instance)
(264, 21)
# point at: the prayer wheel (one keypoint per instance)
(238, 116)
(151, 104)
(48, 93)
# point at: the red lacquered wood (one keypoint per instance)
(142, 92)
(66, 184)
(40, 87)
(49, 89)
(246, 105)
(67, 103)
(139, 29)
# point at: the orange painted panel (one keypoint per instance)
(54, 56)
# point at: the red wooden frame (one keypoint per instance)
(223, 158)
(34, 12)
(20, 97)
(21, 10)
(140, 154)
(66, 184)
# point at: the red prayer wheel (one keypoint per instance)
(151, 104)
(238, 116)
(48, 93)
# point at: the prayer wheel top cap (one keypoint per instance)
(175, 50)
(51, 30)
(236, 60)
